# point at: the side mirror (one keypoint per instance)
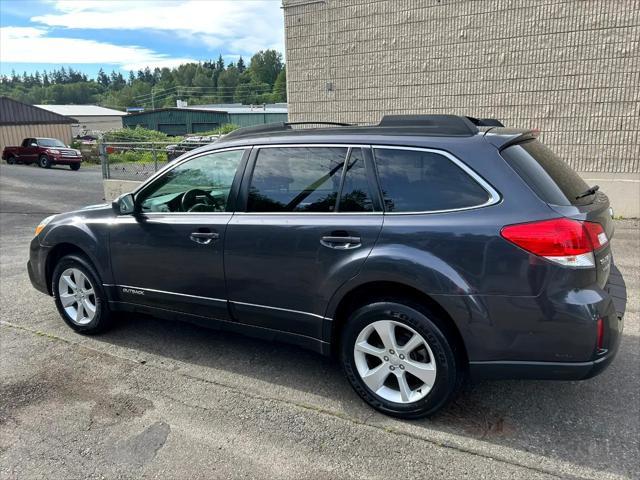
(34, 145)
(124, 204)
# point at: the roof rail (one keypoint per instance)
(275, 127)
(449, 124)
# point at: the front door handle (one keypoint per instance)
(340, 242)
(204, 238)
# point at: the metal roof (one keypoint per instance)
(240, 108)
(83, 110)
(13, 112)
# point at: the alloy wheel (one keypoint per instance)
(395, 361)
(77, 296)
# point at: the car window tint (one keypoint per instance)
(207, 180)
(553, 180)
(356, 195)
(418, 181)
(296, 179)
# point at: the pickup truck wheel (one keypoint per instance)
(44, 162)
(11, 160)
(79, 296)
(74, 166)
(398, 360)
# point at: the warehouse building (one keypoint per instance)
(569, 68)
(203, 118)
(91, 118)
(19, 121)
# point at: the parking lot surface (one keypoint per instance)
(159, 399)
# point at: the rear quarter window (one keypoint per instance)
(552, 179)
(425, 181)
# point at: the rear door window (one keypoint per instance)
(296, 179)
(553, 180)
(424, 181)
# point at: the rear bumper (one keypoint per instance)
(543, 370)
(573, 325)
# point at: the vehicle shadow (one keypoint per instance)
(586, 423)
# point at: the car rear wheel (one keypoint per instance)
(79, 295)
(11, 160)
(398, 359)
(75, 166)
(44, 162)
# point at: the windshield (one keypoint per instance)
(50, 142)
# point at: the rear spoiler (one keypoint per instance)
(486, 122)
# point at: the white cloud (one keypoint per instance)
(242, 26)
(31, 45)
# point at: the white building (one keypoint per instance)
(91, 118)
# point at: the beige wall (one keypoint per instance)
(14, 134)
(570, 68)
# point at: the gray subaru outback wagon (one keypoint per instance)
(418, 251)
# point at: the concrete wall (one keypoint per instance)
(14, 134)
(114, 188)
(569, 68)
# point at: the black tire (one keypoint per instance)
(449, 368)
(11, 160)
(44, 162)
(74, 166)
(102, 318)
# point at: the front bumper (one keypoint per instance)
(37, 265)
(64, 160)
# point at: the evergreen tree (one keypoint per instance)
(280, 87)
(241, 66)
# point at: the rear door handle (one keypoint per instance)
(340, 243)
(204, 238)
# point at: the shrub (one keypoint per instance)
(136, 156)
(138, 134)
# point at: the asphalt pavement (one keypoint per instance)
(160, 399)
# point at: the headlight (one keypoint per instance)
(78, 153)
(43, 224)
(53, 150)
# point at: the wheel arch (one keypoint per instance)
(369, 292)
(59, 251)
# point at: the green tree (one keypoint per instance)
(265, 66)
(280, 87)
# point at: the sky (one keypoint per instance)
(125, 35)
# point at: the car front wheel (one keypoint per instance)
(79, 295)
(75, 166)
(399, 360)
(44, 162)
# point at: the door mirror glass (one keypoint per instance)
(124, 204)
(34, 144)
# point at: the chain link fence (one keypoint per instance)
(139, 160)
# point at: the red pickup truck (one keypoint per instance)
(44, 151)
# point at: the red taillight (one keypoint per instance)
(600, 335)
(561, 240)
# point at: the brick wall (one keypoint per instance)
(570, 68)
